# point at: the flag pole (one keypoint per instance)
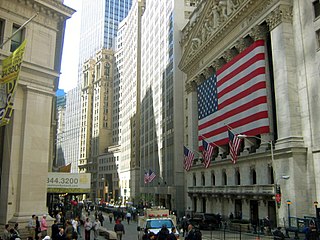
(19, 29)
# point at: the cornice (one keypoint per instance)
(283, 13)
(52, 8)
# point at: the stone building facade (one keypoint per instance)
(26, 153)
(217, 32)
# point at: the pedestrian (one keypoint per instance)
(32, 226)
(61, 235)
(101, 218)
(174, 235)
(78, 227)
(6, 232)
(87, 229)
(54, 230)
(110, 217)
(96, 229)
(16, 230)
(44, 226)
(193, 234)
(128, 216)
(163, 234)
(58, 217)
(119, 229)
(278, 234)
(37, 232)
(13, 235)
(184, 226)
(312, 233)
(69, 230)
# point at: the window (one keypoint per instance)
(194, 180)
(2, 22)
(318, 38)
(237, 177)
(316, 8)
(253, 177)
(203, 179)
(224, 178)
(17, 39)
(213, 179)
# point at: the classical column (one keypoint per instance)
(285, 78)
(24, 186)
(259, 32)
(192, 114)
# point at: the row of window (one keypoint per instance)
(224, 179)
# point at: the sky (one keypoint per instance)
(70, 54)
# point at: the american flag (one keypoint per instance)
(146, 177)
(207, 153)
(235, 97)
(234, 144)
(152, 176)
(188, 158)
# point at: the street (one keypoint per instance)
(131, 232)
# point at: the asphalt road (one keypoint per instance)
(131, 232)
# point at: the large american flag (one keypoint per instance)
(207, 153)
(236, 97)
(188, 158)
(234, 144)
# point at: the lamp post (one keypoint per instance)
(277, 191)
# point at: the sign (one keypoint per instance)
(58, 182)
(9, 81)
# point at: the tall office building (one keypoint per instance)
(128, 65)
(151, 104)
(99, 24)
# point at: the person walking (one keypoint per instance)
(61, 235)
(110, 217)
(119, 229)
(174, 235)
(87, 229)
(128, 216)
(163, 233)
(37, 229)
(96, 229)
(16, 230)
(278, 234)
(54, 230)
(32, 226)
(44, 226)
(69, 230)
(6, 232)
(101, 218)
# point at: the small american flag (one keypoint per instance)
(188, 158)
(152, 176)
(146, 177)
(207, 153)
(234, 144)
(236, 96)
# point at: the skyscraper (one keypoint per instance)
(99, 24)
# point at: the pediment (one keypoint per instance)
(218, 19)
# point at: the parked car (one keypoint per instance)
(204, 221)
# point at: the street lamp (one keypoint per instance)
(277, 191)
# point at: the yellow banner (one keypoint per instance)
(9, 81)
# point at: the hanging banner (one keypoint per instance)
(59, 182)
(9, 81)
